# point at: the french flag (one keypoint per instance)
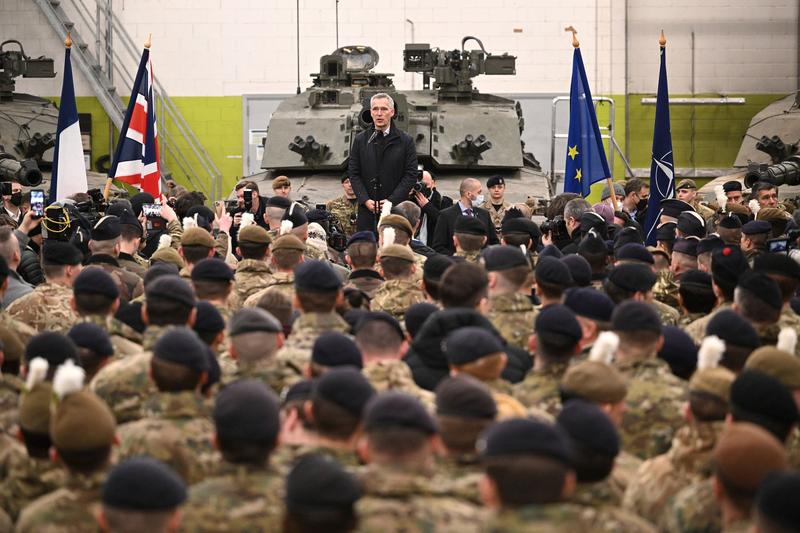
(136, 156)
(69, 169)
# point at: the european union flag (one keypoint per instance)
(662, 167)
(586, 157)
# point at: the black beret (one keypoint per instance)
(679, 351)
(672, 207)
(590, 303)
(92, 337)
(754, 227)
(139, 199)
(362, 236)
(353, 317)
(60, 253)
(143, 484)
(592, 245)
(579, 269)
(463, 396)
(252, 319)
(279, 201)
(525, 436)
(666, 232)
(727, 264)
(709, 244)
(212, 269)
(590, 427)
(731, 221)
(627, 235)
(171, 288)
(53, 347)
(469, 226)
(205, 216)
(296, 215)
(299, 392)
(209, 319)
(246, 410)
(503, 257)
(159, 269)
(632, 315)
(495, 180)
(435, 265)
(317, 215)
(777, 499)
(416, 315)
(125, 214)
(318, 485)
(382, 316)
(763, 287)
(520, 225)
(107, 228)
(469, 344)
(182, 346)
(733, 328)
(634, 252)
(398, 410)
(316, 276)
(632, 277)
(551, 250)
(214, 370)
(697, 278)
(760, 398)
(551, 271)
(685, 246)
(3, 269)
(345, 387)
(95, 280)
(558, 319)
(692, 224)
(780, 264)
(730, 186)
(335, 349)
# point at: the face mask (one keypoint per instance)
(478, 200)
(16, 199)
(641, 204)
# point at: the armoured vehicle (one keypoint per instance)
(458, 131)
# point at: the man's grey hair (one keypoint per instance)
(468, 184)
(575, 208)
(410, 211)
(380, 96)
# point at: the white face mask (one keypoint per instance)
(478, 200)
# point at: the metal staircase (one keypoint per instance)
(107, 66)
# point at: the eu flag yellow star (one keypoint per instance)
(573, 152)
(578, 175)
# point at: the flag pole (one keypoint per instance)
(577, 44)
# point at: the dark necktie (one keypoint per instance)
(468, 211)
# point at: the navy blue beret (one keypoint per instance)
(212, 269)
(632, 315)
(686, 246)
(666, 232)
(92, 337)
(95, 280)
(579, 269)
(679, 351)
(553, 272)
(469, 225)
(334, 349)
(362, 236)
(463, 396)
(469, 344)
(316, 276)
(754, 227)
(763, 287)
(780, 264)
(398, 410)
(589, 426)
(279, 201)
(345, 387)
(502, 257)
(672, 207)
(634, 252)
(416, 315)
(182, 346)
(209, 319)
(526, 436)
(250, 319)
(106, 229)
(60, 253)
(709, 244)
(53, 347)
(777, 499)
(143, 484)
(159, 269)
(558, 319)
(733, 328)
(692, 224)
(551, 250)
(495, 180)
(246, 410)
(173, 288)
(381, 316)
(633, 277)
(590, 303)
(759, 397)
(317, 483)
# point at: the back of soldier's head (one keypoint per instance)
(363, 254)
(432, 272)
(558, 333)
(696, 293)
(180, 361)
(170, 301)
(595, 441)
(464, 409)
(246, 419)
(758, 298)
(776, 509)
(317, 286)
(338, 402)
(379, 335)
(399, 430)
(254, 335)
(463, 285)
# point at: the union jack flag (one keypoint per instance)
(136, 156)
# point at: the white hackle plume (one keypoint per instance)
(286, 227)
(604, 348)
(247, 219)
(37, 371)
(787, 340)
(68, 379)
(710, 353)
(165, 241)
(722, 198)
(754, 207)
(189, 222)
(386, 209)
(388, 236)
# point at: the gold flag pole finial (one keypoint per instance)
(575, 42)
(149, 40)
(662, 40)
(68, 41)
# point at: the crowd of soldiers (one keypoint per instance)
(262, 366)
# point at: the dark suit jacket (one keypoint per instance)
(445, 224)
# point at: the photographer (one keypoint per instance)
(247, 200)
(431, 201)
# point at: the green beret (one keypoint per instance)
(398, 222)
(288, 242)
(714, 381)
(34, 409)
(197, 237)
(398, 251)
(254, 234)
(780, 365)
(594, 381)
(82, 422)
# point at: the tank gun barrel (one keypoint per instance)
(25, 172)
(784, 173)
(14, 63)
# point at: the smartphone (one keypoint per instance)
(37, 202)
(247, 195)
(5, 188)
(151, 210)
(778, 246)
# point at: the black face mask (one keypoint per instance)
(16, 199)
(641, 204)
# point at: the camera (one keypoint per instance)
(232, 207)
(248, 199)
(557, 228)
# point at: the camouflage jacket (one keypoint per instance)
(540, 388)
(666, 289)
(129, 284)
(394, 374)
(177, 431)
(692, 510)
(23, 330)
(366, 280)
(512, 315)
(654, 406)
(284, 456)
(47, 308)
(345, 210)
(660, 478)
(463, 473)
(469, 257)
(697, 329)
(565, 518)
(281, 281)
(496, 215)
(124, 339)
(688, 318)
(239, 498)
(69, 509)
(133, 263)
(305, 330)
(790, 319)
(602, 493)
(396, 500)
(270, 371)
(669, 316)
(625, 468)
(396, 296)
(10, 389)
(251, 276)
(27, 479)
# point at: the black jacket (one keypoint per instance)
(428, 362)
(435, 204)
(445, 225)
(30, 268)
(391, 160)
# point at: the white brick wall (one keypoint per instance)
(232, 47)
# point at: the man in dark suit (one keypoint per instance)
(470, 198)
(383, 163)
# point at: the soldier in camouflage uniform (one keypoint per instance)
(697, 297)
(361, 254)
(252, 272)
(131, 237)
(48, 307)
(175, 428)
(666, 289)
(786, 273)
(254, 338)
(686, 191)
(196, 245)
(287, 252)
(510, 311)
(246, 493)
(496, 204)
(402, 236)
(212, 280)
(558, 336)
(105, 247)
(398, 292)
(401, 492)
(345, 207)
(469, 236)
